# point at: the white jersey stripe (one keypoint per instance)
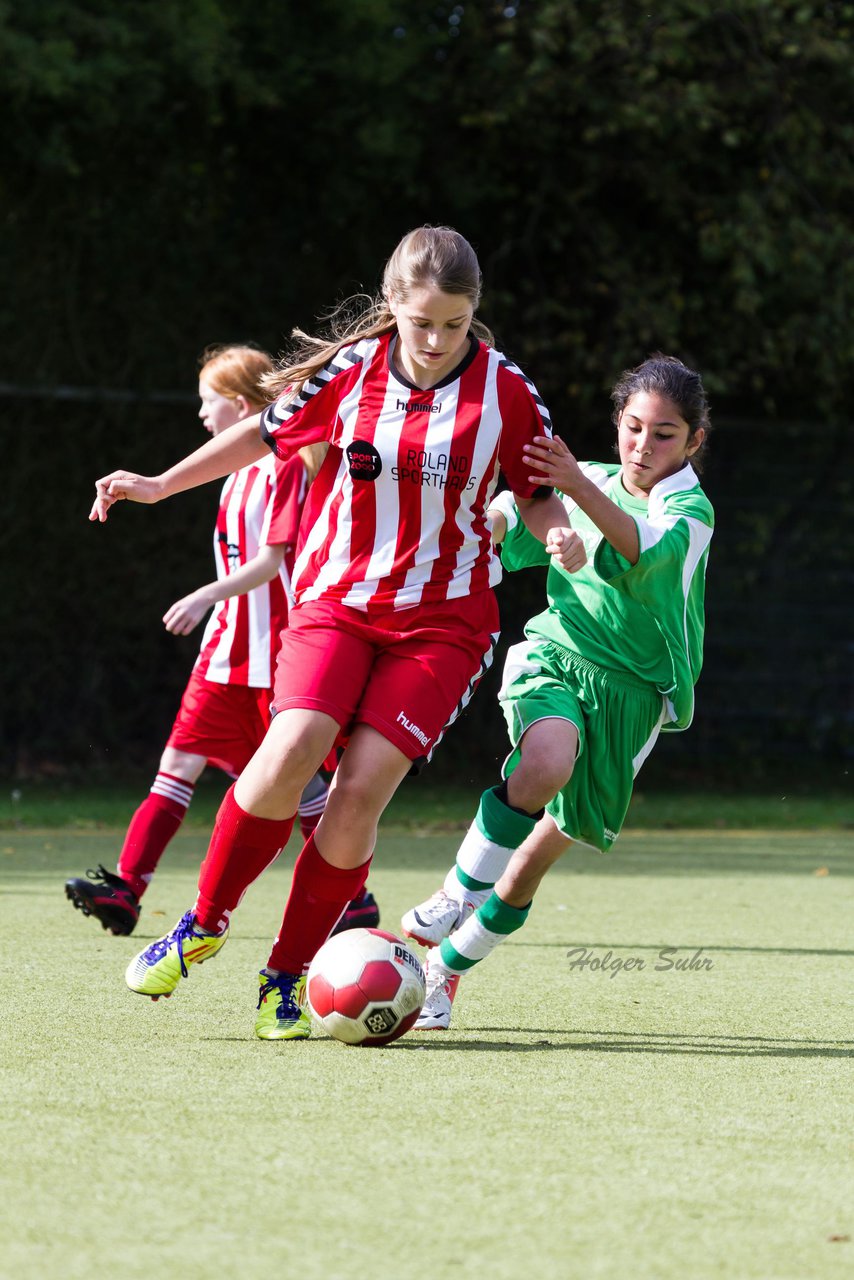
(401, 520)
(259, 505)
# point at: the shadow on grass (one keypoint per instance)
(641, 1042)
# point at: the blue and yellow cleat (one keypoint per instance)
(158, 969)
(280, 1012)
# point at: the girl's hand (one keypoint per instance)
(497, 525)
(123, 485)
(182, 616)
(553, 463)
(566, 549)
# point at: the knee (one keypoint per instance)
(293, 746)
(274, 768)
(537, 780)
(546, 760)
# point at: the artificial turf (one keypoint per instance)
(578, 1120)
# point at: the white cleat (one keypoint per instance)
(433, 920)
(435, 1013)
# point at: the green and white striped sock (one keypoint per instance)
(482, 932)
(489, 844)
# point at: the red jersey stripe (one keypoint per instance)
(398, 515)
(260, 505)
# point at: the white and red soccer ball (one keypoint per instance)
(365, 986)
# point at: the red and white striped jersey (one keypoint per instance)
(260, 505)
(397, 515)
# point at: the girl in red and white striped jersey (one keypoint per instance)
(225, 709)
(395, 617)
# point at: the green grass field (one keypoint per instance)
(575, 1122)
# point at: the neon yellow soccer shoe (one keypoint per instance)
(280, 1012)
(158, 969)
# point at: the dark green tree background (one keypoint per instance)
(194, 170)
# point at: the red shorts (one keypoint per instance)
(408, 672)
(225, 723)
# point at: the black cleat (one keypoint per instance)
(361, 913)
(106, 897)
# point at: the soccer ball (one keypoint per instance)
(365, 986)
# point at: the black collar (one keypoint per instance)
(474, 347)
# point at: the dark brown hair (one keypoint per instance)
(666, 376)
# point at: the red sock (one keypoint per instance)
(241, 847)
(151, 828)
(319, 893)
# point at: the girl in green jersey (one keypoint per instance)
(602, 671)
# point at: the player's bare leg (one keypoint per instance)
(294, 748)
(547, 756)
(543, 848)
(506, 817)
(331, 869)
(370, 771)
(504, 911)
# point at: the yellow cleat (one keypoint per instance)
(158, 969)
(280, 1012)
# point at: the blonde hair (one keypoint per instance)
(437, 256)
(313, 456)
(234, 371)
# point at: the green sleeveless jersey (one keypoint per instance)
(646, 619)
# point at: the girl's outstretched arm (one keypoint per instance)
(185, 614)
(227, 452)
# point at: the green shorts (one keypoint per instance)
(618, 718)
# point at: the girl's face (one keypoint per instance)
(653, 441)
(433, 328)
(217, 412)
